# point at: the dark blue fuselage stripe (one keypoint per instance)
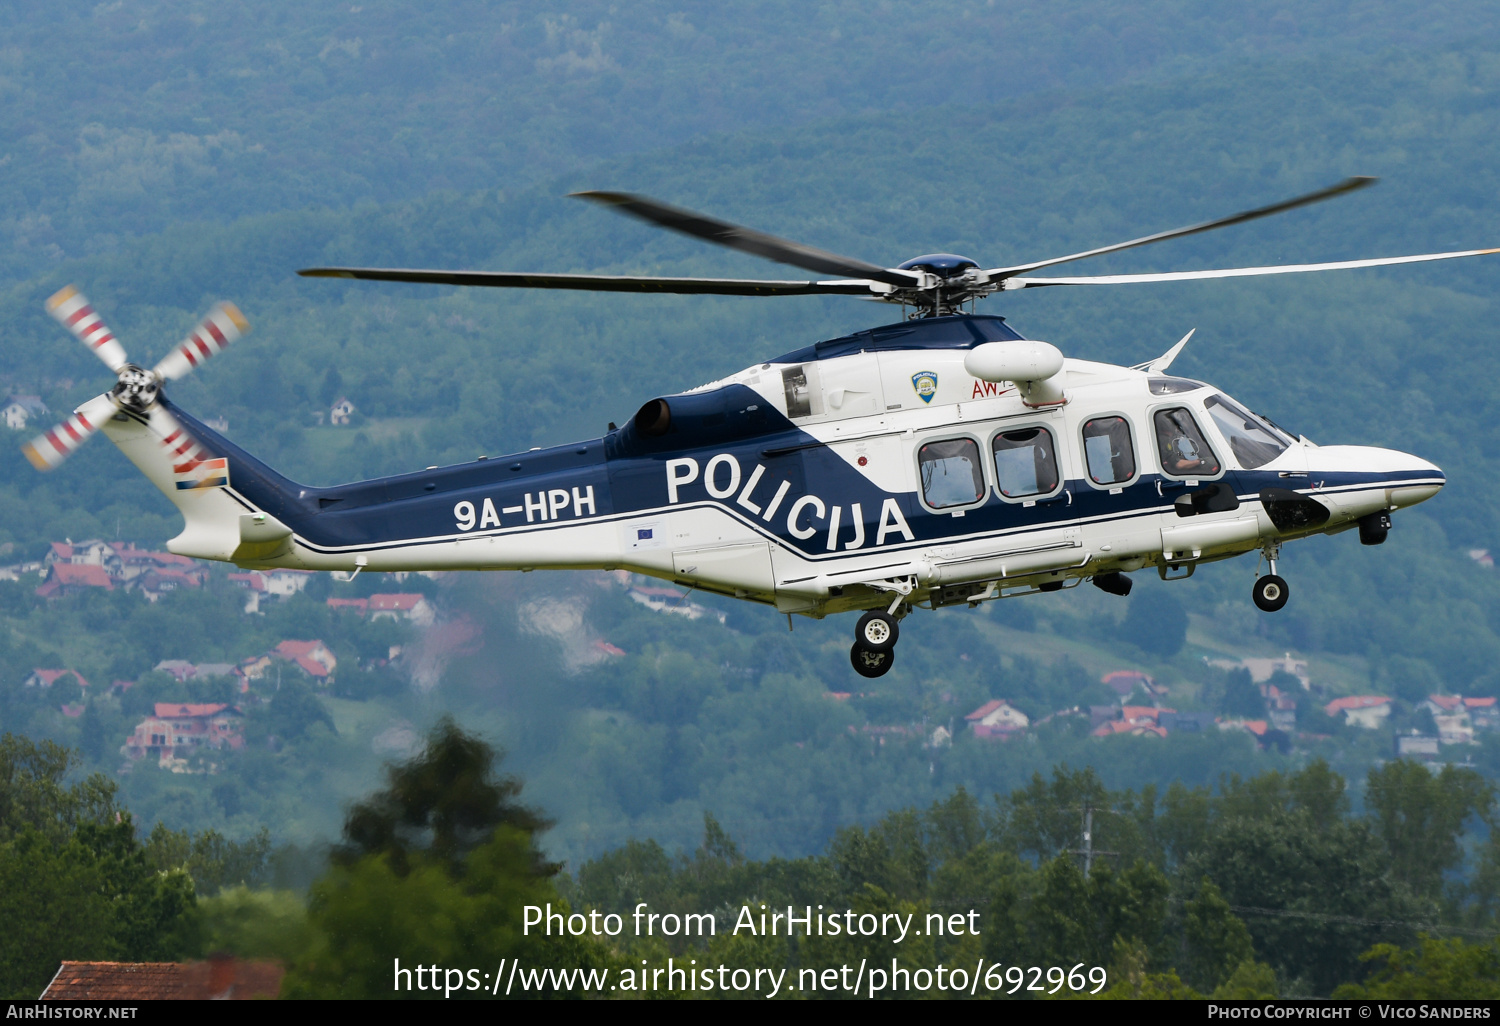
(580, 485)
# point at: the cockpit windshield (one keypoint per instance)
(1253, 441)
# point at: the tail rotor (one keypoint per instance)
(136, 389)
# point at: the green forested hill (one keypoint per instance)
(734, 718)
(122, 118)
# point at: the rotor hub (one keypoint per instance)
(944, 265)
(137, 388)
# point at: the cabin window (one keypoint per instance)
(1025, 462)
(1253, 441)
(952, 474)
(1108, 451)
(1184, 451)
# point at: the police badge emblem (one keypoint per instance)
(925, 382)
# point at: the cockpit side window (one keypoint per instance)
(1025, 462)
(952, 474)
(1108, 451)
(803, 396)
(1172, 386)
(1253, 442)
(1183, 450)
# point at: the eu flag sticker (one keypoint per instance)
(925, 382)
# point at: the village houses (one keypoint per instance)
(71, 568)
(1135, 720)
(1458, 718)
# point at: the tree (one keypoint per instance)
(213, 861)
(93, 895)
(1156, 622)
(1241, 697)
(444, 802)
(1252, 981)
(32, 793)
(1435, 968)
(436, 869)
(1215, 940)
(1420, 817)
(91, 740)
(292, 710)
(1318, 893)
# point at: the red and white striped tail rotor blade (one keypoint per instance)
(46, 451)
(223, 325)
(73, 312)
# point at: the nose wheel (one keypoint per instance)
(1270, 592)
(874, 651)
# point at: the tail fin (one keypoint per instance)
(235, 508)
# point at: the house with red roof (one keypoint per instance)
(1256, 727)
(252, 580)
(74, 579)
(1484, 712)
(285, 582)
(1135, 720)
(133, 562)
(155, 583)
(220, 978)
(398, 606)
(1140, 729)
(46, 678)
(1367, 711)
(1125, 682)
(1457, 717)
(177, 729)
(1281, 706)
(84, 553)
(997, 718)
(315, 658)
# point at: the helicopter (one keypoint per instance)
(941, 460)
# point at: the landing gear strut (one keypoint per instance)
(1270, 592)
(874, 651)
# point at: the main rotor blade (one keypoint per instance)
(597, 282)
(746, 240)
(1239, 272)
(223, 325)
(50, 448)
(1346, 186)
(72, 310)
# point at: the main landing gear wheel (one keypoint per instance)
(877, 631)
(1270, 593)
(871, 662)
